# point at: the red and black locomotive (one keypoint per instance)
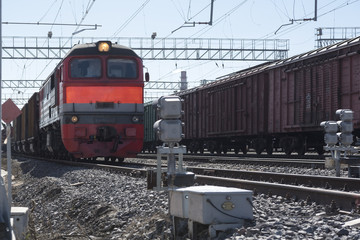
(90, 106)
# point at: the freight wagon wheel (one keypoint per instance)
(259, 146)
(225, 150)
(221, 148)
(113, 159)
(236, 150)
(301, 150)
(106, 159)
(121, 160)
(211, 148)
(269, 146)
(259, 150)
(288, 148)
(300, 146)
(320, 150)
(218, 150)
(269, 149)
(287, 145)
(201, 149)
(244, 148)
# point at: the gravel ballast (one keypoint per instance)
(68, 202)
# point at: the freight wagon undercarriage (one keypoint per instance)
(290, 143)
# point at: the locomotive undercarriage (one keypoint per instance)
(49, 143)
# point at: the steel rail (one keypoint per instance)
(280, 161)
(326, 182)
(343, 200)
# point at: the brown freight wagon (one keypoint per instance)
(26, 126)
(33, 123)
(16, 134)
(24, 129)
(275, 105)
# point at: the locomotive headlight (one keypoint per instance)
(135, 119)
(74, 119)
(104, 46)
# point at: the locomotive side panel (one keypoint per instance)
(49, 113)
(149, 120)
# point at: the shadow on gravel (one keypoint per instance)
(40, 169)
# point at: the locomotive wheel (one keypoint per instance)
(121, 160)
(106, 159)
(113, 159)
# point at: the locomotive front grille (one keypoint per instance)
(104, 105)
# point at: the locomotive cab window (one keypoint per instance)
(85, 68)
(121, 68)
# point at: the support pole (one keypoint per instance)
(9, 169)
(336, 157)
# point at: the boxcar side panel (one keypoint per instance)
(24, 120)
(33, 116)
(277, 83)
(350, 85)
(241, 107)
(286, 103)
(355, 89)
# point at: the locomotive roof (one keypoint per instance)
(91, 49)
(335, 48)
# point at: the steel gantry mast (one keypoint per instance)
(45, 48)
(155, 49)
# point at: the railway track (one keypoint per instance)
(297, 187)
(278, 160)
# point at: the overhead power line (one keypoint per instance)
(130, 18)
(53, 24)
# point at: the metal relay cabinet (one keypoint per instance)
(211, 204)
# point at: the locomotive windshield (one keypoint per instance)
(85, 68)
(121, 68)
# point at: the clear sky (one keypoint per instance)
(232, 19)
